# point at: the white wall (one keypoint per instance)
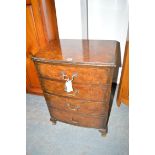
(69, 19)
(107, 19)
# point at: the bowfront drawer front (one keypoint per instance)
(80, 91)
(76, 106)
(85, 74)
(76, 119)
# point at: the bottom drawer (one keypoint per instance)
(79, 120)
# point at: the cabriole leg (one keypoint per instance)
(103, 131)
(53, 120)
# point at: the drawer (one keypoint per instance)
(76, 106)
(76, 119)
(81, 91)
(100, 75)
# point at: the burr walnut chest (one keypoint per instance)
(76, 79)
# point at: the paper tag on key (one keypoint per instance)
(68, 86)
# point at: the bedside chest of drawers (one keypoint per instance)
(76, 78)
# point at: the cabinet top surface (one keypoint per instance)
(84, 52)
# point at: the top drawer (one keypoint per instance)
(85, 74)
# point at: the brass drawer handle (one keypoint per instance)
(65, 76)
(73, 121)
(74, 75)
(72, 107)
